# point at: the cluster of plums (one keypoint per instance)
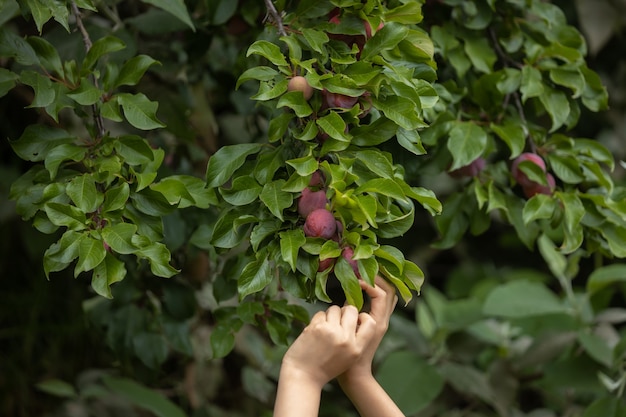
(319, 221)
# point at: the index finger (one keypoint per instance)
(383, 297)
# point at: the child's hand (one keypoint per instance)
(330, 344)
(383, 301)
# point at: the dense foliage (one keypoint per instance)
(218, 170)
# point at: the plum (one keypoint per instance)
(521, 178)
(299, 83)
(536, 188)
(320, 223)
(311, 200)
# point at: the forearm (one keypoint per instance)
(297, 394)
(369, 398)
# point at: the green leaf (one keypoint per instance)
(61, 153)
(91, 253)
(556, 105)
(566, 167)
(42, 86)
(383, 186)
(269, 51)
(607, 406)
(176, 8)
(296, 102)
(185, 191)
(133, 69)
(14, 46)
(540, 206)
(86, 94)
(402, 371)
(574, 212)
(222, 341)
(159, 257)
(143, 397)
(480, 52)
(597, 347)
(532, 84)
(401, 110)
(305, 165)
(115, 198)
(102, 46)
(290, 243)
(244, 190)
(513, 135)
(556, 260)
(47, 53)
(316, 39)
(606, 276)
(275, 198)
(223, 164)
(261, 73)
(349, 282)
(66, 215)
(7, 81)
(409, 13)
(107, 273)
(466, 143)
(140, 111)
(334, 126)
(57, 388)
(385, 39)
(82, 190)
(255, 276)
(521, 298)
(119, 237)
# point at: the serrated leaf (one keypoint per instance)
(333, 125)
(315, 38)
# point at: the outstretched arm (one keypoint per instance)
(358, 382)
(333, 340)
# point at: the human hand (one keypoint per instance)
(383, 301)
(333, 341)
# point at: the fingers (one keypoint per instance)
(349, 318)
(383, 298)
(366, 330)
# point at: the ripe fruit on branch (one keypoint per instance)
(310, 201)
(317, 179)
(334, 100)
(471, 170)
(299, 83)
(325, 264)
(320, 223)
(536, 188)
(521, 178)
(348, 254)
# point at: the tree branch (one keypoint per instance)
(97, 118)
(275, 16)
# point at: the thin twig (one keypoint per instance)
(508, 62)
(87, 41)
(273, 13)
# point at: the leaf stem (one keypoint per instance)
(98, 120)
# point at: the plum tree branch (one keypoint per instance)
(275, 16)
(98, 120)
